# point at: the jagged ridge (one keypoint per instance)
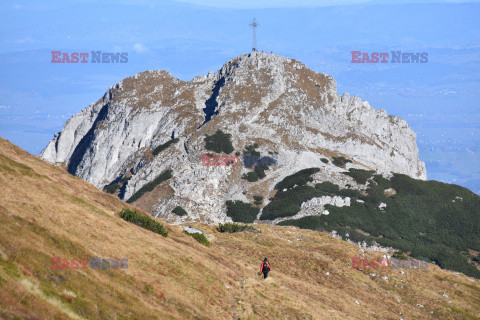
(256, 97)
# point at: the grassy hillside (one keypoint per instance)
(45, 213)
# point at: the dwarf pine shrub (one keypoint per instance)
(165, 175)
(143, 221)
(232, 227)
(219, 142)
(179, 211)
(200, 237)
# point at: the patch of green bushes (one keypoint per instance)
(308, 222)
(200, 237)
(333, 189)
(357, 237)
(299, 178)
(352, 193)
(327, 186)
(359, 175)
(251, 150)
(251, 157)
(375, 193)
(164, 146)
(179, 211)
(250, 176)
(233, 227)
(287, 203)
(421, 219)
(219, 142)
(257, 174)
(112, 188)
(240, 211)
(340, 161)
(381, 181)
(143, 221)
(324, 160)
(165, 175)
(118, 184)
(260, 171)
(258, 200)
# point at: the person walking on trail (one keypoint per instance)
(265, 268)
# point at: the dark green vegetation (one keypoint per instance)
(324, 160)
(250, 150)
(300, 178)
(252, 158)
(258, 173)
(258, 200)
(250, 176)
(425, 219)
(287, 203)
(143, 221)
(164, 146)
(200, 237)
(233, 227)
(112, 188)
(165, 175)
(340, 161)
(118, 184)
(240, 211)
(359, 175)
(179, 211)
(333, 189)
(327, 186)
(219, 142)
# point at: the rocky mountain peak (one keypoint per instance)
(276, 102)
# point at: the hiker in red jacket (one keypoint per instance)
(265, 268)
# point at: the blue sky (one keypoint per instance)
(256, 4)
(439, 99)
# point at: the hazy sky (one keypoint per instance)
(251, 4)
(439, 99)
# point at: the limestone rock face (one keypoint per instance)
(274, 101)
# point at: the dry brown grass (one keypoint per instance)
(149, 199)
(45, 212)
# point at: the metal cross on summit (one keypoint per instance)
(254, 25)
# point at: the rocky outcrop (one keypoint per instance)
(274, 101)
(334, 201)
(316, 206)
